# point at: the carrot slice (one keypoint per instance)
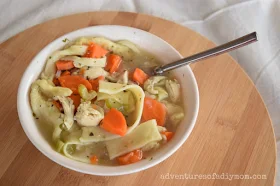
(139, 76)
(95, 82)
(57, 105)
(114, 122)
(65, 73)
(64, 65)
(95, 51)
(113, 63)
(94, 160)
(56, 82)
(153, 109)
(168, 135)
(76, 100)
(73, 82)
(130, 157)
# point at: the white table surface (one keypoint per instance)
(219, 20)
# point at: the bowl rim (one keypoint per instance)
(20, 100)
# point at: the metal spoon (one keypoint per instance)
(232, 45)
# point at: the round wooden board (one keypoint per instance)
(233, 134)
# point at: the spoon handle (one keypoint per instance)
(232, 45)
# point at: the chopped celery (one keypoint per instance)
(87, 96)
(112, 103)
(59, 145)
(124, 102)
(71, 148)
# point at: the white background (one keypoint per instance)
(219, 20)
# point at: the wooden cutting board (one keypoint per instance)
(233, 134)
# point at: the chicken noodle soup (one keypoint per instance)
(98, 105)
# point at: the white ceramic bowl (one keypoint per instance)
(159, 48)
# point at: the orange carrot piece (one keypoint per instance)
(56, 82)
(65, 73)
(153, 109)
(139, 76)
(168, 135)
(64, 65)
(130, 157)
(113, 63)
(73, 82)
(95, 51)
(114, 122)
(76, 100)
(57, 105)
(94, 160)
(95, 82)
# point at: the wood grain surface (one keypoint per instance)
(233, 134)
